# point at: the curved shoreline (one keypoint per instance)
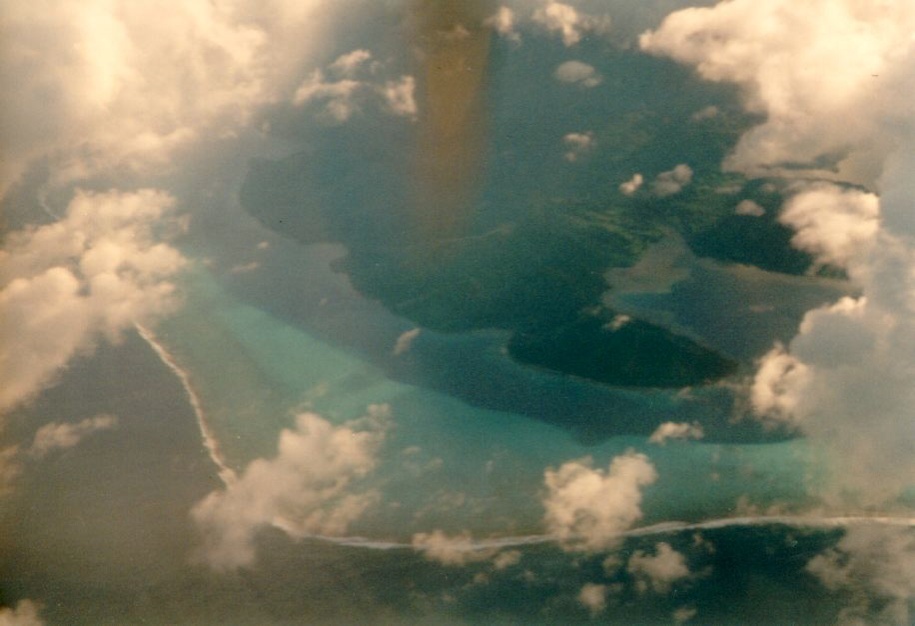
(226, 474)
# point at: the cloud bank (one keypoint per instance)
(832, 80)
(124, 87)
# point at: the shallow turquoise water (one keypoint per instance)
(445, 464)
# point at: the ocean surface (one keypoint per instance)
(272, 327)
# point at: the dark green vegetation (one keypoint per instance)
(637, 354)
(541, 230)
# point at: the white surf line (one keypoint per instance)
(226, 473)
(800, 521)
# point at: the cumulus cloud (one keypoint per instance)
(58, 436)
(832, 223)
(842, 379)
(658, 572)
(632, 185)
(569, 23)
(447, 549)
(778, 385)
(749, 209)
(874, 569)
(676, 430)
(503, 22)
(24, 614)
(672, 181)
(587, 509)
(826, 75)
(579, 73)
(846, 383)
(578, 144)
(97, 271)
(307, 488)
(593, 597)
(103, 87)
(831, 81)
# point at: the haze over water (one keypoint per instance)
(456, 312)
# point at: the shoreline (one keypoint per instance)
(226, 474)
(661, 528)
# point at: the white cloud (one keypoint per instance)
(97, 271)
(337, 97)
(446, 549)
(24, 614)
(506, 559)
(348, 64)
(749, 208)
(307, 488)
(832, 223)
(832, 78)
(672, 181)
(778, 385)
(874, 569)
(503, 22)
(658, 572)
(587, 509)
(579, 73)
(400, 96)
(60, 436)
(632, 185)
(846, 383)
(593, 597)
(104, 87)
(676, 430)
(578, 144)
(569, 23)
(405, 341)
